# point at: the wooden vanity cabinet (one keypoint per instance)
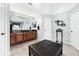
(13, 38)
(33, 35)
(26, 36)
(18, 37)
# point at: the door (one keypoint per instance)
(2, 30)
(47, 27)
(74, 29)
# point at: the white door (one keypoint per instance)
(2, 30)
(47, 27)
(74, 30)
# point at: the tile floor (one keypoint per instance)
(22, 49)
(68, 50)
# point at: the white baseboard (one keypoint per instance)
(75, 47)
(8, 54)
(71, 45)
(66, 43)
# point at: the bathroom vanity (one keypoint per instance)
(19, 36)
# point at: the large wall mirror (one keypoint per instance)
(21, 22)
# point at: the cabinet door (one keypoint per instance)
(12, 38)
(19, 37)
(33, 35)
(26, 36)
(29, 35)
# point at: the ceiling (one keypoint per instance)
(44, 8)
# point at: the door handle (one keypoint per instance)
(2, 33)
(71, 31)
